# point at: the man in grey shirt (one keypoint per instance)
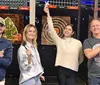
(92, 52)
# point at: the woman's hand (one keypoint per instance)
(28, 52)
(46, 9)
(42, 78)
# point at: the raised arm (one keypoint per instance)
(52, 31)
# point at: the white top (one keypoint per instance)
(69, 50)
(33, 69)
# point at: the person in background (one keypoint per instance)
(92, 52)
(69, 52)
(30, 66)
(6, 50)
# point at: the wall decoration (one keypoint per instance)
(59, 24)
(14, 26)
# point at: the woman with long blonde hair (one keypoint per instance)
(28, 58)
(27, 27)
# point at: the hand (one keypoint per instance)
(28, 52)
(2, 53)
(46, 9)
(42, 78)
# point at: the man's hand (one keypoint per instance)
(2, 53)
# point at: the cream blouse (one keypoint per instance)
(69, 50)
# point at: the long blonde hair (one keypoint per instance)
(27, 27)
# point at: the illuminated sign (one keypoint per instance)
(87, 2)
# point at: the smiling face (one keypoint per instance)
(31, 33)
(68, 31)
(95, 27)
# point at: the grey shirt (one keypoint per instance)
(94, 63)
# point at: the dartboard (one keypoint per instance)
(59, 25)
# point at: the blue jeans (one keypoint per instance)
(33, 81)
(94, 81)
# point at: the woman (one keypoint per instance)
(28, 57)
(69, 52)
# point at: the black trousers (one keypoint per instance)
(66, 76)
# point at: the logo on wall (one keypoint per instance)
(59, 24)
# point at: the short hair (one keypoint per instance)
(92, 21)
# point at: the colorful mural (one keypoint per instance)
(14, 27)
